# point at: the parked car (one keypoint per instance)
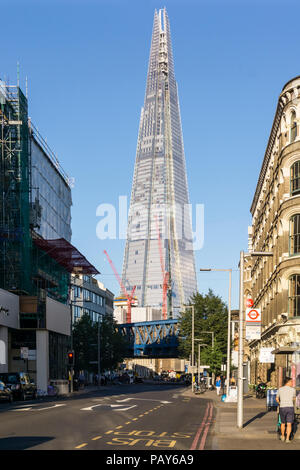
(5, 392)
(20, 384)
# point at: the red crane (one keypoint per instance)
(165, 274)
(129, 297)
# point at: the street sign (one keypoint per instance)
(253, 332)
(24, 353)
(253, 315)
(249, 303)
(266, 356)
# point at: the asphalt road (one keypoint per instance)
(123, 417)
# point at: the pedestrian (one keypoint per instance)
(285, 398)
(218, 384)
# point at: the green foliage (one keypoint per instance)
(85, 343)
(211, 314)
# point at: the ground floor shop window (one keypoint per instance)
(58, 349)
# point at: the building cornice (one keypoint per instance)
(268, 153)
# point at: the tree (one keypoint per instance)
(211, 314)
(85, 344)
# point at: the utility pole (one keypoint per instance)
(99, 369)
(228, 337)
(241, 347)
(184, 307)
(228, 327)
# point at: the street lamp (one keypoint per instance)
(100, 315)
(72, 303)
(184, 307)
(228, 327)
(241, 336)
(199, 346)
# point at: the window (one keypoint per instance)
(293, 126)
(295, 178)
(86, 294)
(294, 295)
(295, 234)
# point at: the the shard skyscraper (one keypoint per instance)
(159, 234)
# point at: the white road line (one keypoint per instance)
(49, 407)
(23, 408)
(114, 407)
(125, 409)
(144, 399)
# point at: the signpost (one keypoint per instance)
(24, 353)
(253, 315)
(253, 323)
(253, 332)
(266, 356)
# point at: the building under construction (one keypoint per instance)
(36, 256)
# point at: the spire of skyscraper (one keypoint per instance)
(159, 199)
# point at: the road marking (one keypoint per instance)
(115, 407)
(37, 409)
(96, 438)
(204, 426)
(144, 399)
(49, 407)
(125, 409)
(21, 409)
(119, 427)
(207, 426)
(81, 445)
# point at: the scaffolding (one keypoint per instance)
(15, 241)
(25, 269)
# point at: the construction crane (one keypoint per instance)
(130, 299)
(165, 274)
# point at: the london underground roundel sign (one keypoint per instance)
(253, 315)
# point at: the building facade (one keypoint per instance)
(273, 282)
(90, 297)
(36, 257)
(159, 237)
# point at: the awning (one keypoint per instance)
(285, 350)
(66, 255)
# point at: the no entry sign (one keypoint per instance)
(253, 315)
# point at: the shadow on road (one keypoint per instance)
(258, 416)
(103, 391)
(22, 442)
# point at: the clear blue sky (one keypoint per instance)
(86, 63)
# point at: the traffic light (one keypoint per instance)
(71, 358)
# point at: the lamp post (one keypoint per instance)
(99, 368)
(184, 307)
(228, 326)
(240, 410)
(199, 346)
(72, 303)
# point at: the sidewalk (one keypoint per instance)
(259, 425)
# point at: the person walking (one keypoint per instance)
(218, 384)
(285, 398)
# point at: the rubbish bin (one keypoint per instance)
(271, 399)
(75, 385)
(61, 386)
